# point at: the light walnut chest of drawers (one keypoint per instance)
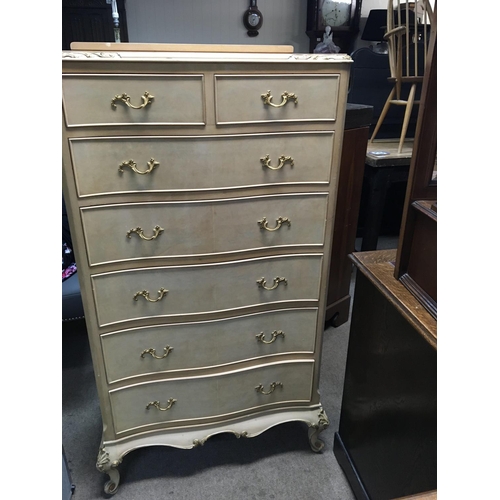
(201, 192)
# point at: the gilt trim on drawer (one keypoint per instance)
(218, 343)
(215, 227)
(90, 100)
(241, 99)
(209, 396)
(204, 289)
(228, 161)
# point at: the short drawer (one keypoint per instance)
(146, 404)
(243, 99)
(167, 348)
(147, 230)
(167, 163)
(182, 290)
(89, 100)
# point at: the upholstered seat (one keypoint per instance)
(72, 307)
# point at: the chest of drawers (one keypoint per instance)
(201, 192)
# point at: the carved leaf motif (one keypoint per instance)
(102, 458)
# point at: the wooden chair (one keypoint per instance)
(407, 35)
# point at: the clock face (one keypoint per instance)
(253, 19)
(336, 12)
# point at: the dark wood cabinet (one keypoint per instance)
(387, 438)
(352, 166)
(91, 21)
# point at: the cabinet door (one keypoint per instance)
(84, 21)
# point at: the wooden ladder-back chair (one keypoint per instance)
(407, 35)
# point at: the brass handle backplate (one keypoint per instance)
(147, 98)
(144, 293)
(285, 97)
(138, 230)
(166, 351)
(279, 222)
(266, 161)
(152, 164)
(262, 283)
(260, 388)
(156, 404)
(275, 335)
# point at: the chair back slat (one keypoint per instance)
(407, 36)
(407, 33)
(416, 45)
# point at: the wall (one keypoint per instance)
(216, 21)
(220, 21)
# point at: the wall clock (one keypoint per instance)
(252, 19)
(336, 13)
(341, 15)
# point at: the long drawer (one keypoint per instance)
(275, 98)
(210, 396)
(143, 230)
(162, 291)
(106, 165)
(90, 100)
(140, 351)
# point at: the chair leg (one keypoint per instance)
(382, 115)
(406, 120)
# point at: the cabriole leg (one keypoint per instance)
(106, 466)
(315, 429)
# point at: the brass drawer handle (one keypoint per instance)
(266, 161)
(147, 98)
(285, 96)
(156, 404)
(166, 351)
(276, 282)
(279, 221)
(144, 293)
(157, 231)
(260, 388)
(275, 335)
(152, 164)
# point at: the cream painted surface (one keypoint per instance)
(208, 343)
(199, 162)
(238, 98)
(197, 228)
(212, 188)
(178, 99)
(210, 396)
(204, 288)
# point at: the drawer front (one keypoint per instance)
(239, 98)
(199, 163)
(143, 230)
(141, 351)
(204, 288)
(88, 100)
(211, 396)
